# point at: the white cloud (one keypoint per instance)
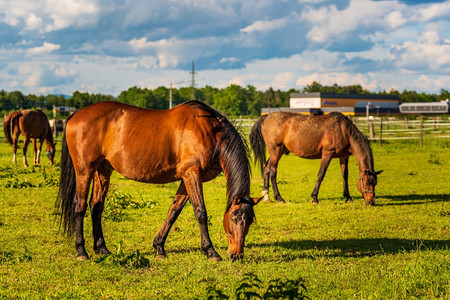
(33, 22)
(65, 13)
(430, 52)
(45, 48)
(265, 25)
(330, 23)
(429, 12)
(365, 80)
(229, 59)
(46, 75)
(283, 80)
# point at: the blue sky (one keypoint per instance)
(107, 46)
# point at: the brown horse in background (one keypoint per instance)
(192, 142)
(326, 136)
(32, 124)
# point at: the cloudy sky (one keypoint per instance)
(107, 46)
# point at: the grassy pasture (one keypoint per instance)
(396, 250)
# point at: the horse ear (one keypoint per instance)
(379, 172)
(256, 200)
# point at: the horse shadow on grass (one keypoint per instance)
(414, 199)
(348, 248)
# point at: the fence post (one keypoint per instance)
(371, 131)
(421, 130)
(406, 122)
(381, 130)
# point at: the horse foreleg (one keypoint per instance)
(97, 203)
(26, 141)
(195, 191)
(174, 211)
(39, 150)
(324, 163)
(83, 183)
(35, 153)
(344, 170)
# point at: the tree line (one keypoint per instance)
(233, 100)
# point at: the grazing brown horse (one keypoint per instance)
(326, 136)
(192, 142)
(32, 124)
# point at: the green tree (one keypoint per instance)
(231, 101)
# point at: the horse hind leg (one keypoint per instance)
(175, 209)
(324, 163)
(26, 141)
(270, 172)
(83, 183)
(265, 192)
(344, 170)
(97, 203)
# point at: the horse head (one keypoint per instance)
(51, 150)
(366, 185)
(236, 222)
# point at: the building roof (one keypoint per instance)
(345, 96)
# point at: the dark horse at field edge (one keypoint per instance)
(314, 137)
(32, 124)
(191, 143)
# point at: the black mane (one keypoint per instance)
(234, 149)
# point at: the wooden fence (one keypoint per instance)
(389, 128)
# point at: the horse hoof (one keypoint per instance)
(161, 256)
(280, 200)
(315, 202)
(215, 258)
(82, 257)
(103, 251)
(349, 201)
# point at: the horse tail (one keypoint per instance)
(65, 204)
(257, 143)
(7, 125)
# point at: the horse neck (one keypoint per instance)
(363, 155)
(49, 139)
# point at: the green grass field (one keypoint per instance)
(396, 250)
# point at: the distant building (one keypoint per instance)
(349, 104)
(441, 107)
(63, 109)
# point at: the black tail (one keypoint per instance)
(8, 125)
(258, 145)
(65, 202)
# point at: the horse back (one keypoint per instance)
(145, 145)
(306, 136)
(34, 124)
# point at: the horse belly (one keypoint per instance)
(145, 170)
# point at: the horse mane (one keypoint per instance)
(233, 148)
(356, 135)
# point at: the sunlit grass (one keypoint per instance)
(398, 249)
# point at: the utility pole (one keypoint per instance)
(193, 82)
(170, 91)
